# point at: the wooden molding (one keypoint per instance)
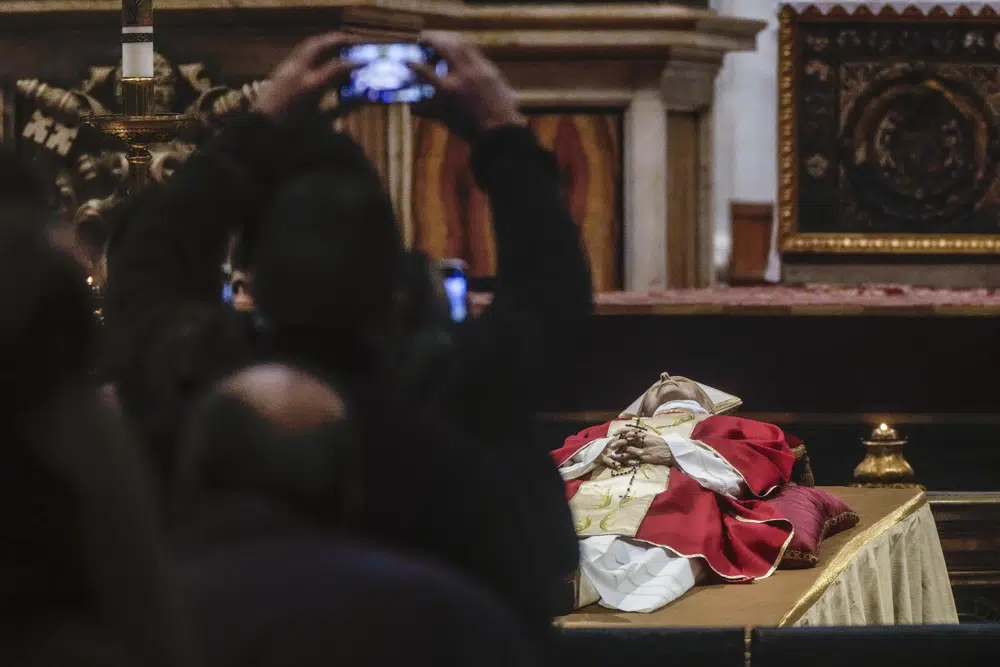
(688, 81)
(683, 175)
(967, 526)
(603, 31)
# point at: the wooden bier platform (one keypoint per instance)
(827, 365)
(784, 597)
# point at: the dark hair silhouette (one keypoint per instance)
(19, 184)
(168, 361)
(326, 265)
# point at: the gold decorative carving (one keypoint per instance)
(884, 464)
(787, 177)
(891, 243)
(91, 176)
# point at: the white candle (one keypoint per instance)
(137, 38)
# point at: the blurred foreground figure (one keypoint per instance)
(269, 477)
(83, 578)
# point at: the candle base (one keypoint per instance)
(137, 96)
(134, 134)
(884, 465)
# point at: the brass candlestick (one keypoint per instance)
(140, 127)
(133, 133)
(884, 464)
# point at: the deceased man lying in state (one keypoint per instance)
(669, 496)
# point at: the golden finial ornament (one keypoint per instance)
(884, 464)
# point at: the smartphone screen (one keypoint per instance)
(384, 77)
(456, 286)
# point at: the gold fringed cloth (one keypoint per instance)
(898, 577)
(888, 570)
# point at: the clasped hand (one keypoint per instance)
(635, 446)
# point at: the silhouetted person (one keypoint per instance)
(163, 365)
(327, 274)
(271, 577)
(22, 194)
(83, 579)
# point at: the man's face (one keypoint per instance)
(673, 389)
(242, 296)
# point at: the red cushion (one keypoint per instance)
(815, 515)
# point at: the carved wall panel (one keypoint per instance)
(451, 216)
(890, 132)
(44, 122)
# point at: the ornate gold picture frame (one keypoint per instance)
(889, 130)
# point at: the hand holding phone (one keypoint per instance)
(383, 73)
(473, 96)
(306, 72)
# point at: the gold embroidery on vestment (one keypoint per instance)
(605, 501)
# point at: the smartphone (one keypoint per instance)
(383, 75)
(227, 284)
(456, 287)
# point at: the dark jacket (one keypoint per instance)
(82, 568)
(265, 587)
(83, 577)
(491, 502)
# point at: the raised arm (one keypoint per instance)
(543, 296)
(542, 272)
(171, 240)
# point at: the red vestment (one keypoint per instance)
(741, 540)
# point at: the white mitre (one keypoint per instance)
(721, 401)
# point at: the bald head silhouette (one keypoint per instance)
(271, 431)
(288, 399)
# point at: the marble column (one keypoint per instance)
(667, 181)
(687, 86)
(745, 126)
(645, 158)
